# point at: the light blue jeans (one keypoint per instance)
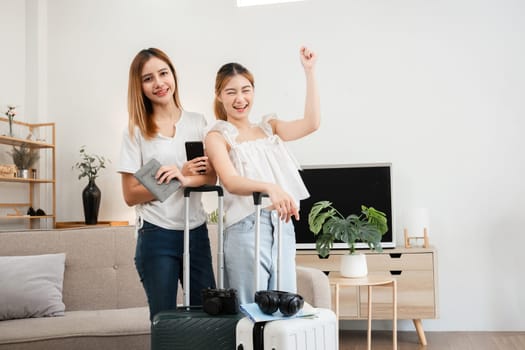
(239, 256)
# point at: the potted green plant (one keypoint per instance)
(90, 167)
(329, 225)
(24, 158)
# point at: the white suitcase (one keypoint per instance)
(309, 333)
(319, 333)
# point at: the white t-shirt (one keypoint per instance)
(266, 159)
(168, 151)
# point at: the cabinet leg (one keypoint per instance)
(420, 331)
(394, 316)
(369, 331)
(337, 302)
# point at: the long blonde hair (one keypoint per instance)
(140, 108)
(225, 73)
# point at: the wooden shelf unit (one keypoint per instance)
(45, 142)
(81, 224)
(415, 270)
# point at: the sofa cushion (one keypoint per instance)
(100, 271)
(77, 324)
(31, 286)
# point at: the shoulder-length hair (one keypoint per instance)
(140, 108)
(225, 73)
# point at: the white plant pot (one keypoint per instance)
(354, 265)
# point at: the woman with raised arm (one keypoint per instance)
(251, 158)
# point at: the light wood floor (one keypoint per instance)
(382, 340)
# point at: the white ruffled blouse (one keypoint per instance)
(266, 159)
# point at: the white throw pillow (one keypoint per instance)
(31, 286)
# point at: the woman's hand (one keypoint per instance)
(308, 58)
(196, 166)
(166, 173)
(283, 203)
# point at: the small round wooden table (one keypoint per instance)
(369, 281)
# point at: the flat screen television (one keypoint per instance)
(347, 187)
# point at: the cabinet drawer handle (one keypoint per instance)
(395, 272)
(395, 255)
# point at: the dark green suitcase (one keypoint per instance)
(190, 328)
(193, 329)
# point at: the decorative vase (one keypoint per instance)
(354, 265)
(91, 200)
(11, 127)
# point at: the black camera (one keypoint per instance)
(220, 301)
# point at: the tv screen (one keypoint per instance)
(347, 187)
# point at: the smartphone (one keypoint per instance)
(194, 149)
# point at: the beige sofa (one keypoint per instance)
(105, 304)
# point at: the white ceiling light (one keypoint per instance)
(242, 3)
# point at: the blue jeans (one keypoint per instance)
(239, 256)
(158, 259)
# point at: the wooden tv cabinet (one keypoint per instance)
(415, 270)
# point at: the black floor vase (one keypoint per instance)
(91, 199)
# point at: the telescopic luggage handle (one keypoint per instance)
(257, 197)
(186, 253)
(205, 188)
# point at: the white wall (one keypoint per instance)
(12, 81)
(12, 53)
(433, 87)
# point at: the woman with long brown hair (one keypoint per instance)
(158, 129)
